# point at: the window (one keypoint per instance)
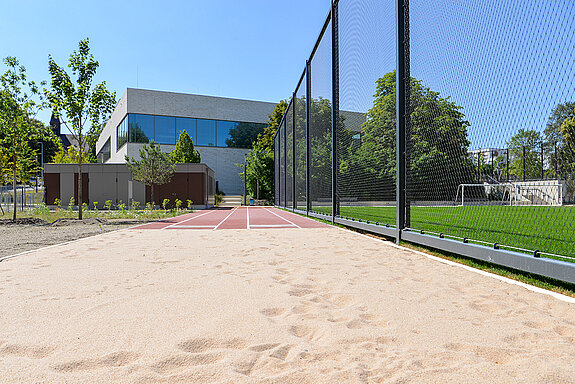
(141, 128)
(104, 153)
(165, 130)
(188, 125)
(121, 134)
(223, 131)
(206, 133)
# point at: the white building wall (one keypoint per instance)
(222, 160)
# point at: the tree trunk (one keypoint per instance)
(15, 193)
(80, 189)
(152, 195)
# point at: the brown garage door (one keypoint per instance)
(52, 185)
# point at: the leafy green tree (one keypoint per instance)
(17, 123)
(184, 151)
(260, 161)
(525, 154)
(85, 107)
(567, 152)
(438, 145)
(266, 138)
(260, 171)
(558, 150)
(153, 168)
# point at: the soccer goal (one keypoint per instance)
(518, 193)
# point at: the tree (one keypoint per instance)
(567, 162)
(82, 104)
(153, 168)
(260, 161)
(266, 138)
(63, 156)
(524, 151)
(184, 151)
(17, 123)
(438, 146)
(558, 150)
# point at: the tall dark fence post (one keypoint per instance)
(524, 175)
(556, 160)
(400, 118)
(285, 161)
(294, 170)
(335, 109)
(508, 164)
(542, 170)
(307, 130)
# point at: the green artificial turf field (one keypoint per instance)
(545, 228)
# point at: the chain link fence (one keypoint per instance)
(446, 124)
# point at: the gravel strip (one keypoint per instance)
(16, 238)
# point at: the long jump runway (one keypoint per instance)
(236, 218)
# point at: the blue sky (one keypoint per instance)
(252, 49)
(507, 65)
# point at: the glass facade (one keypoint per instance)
(138, 128)
(122, 134)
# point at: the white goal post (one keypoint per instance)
(517, 193)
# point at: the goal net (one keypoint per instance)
(519, 193)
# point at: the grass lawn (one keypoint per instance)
(547, 229)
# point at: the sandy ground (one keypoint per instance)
(20, 238)
(270, 306)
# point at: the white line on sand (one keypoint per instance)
(225, 218)
(185, 221)
(507, 280)
(283, 218)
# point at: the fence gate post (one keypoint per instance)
(400, 83)
(307, 138)
(335, 110)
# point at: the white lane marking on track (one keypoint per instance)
(283, 218)
(273, 225)
(248, 214)
(225, 218)
(193, 226)
(185, 221)
(507, 280)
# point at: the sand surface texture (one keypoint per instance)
(270, 306)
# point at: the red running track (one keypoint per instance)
(236, 218)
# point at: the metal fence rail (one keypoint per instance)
(444, 124)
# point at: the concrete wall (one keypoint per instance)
(110, 182)
(109, 130)
(188, 105)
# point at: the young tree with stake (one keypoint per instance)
(17, 124)
(82, 108)
(153, 168)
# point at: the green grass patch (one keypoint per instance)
(52, 215)
(543, 228)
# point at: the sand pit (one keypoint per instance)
(270, 306)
